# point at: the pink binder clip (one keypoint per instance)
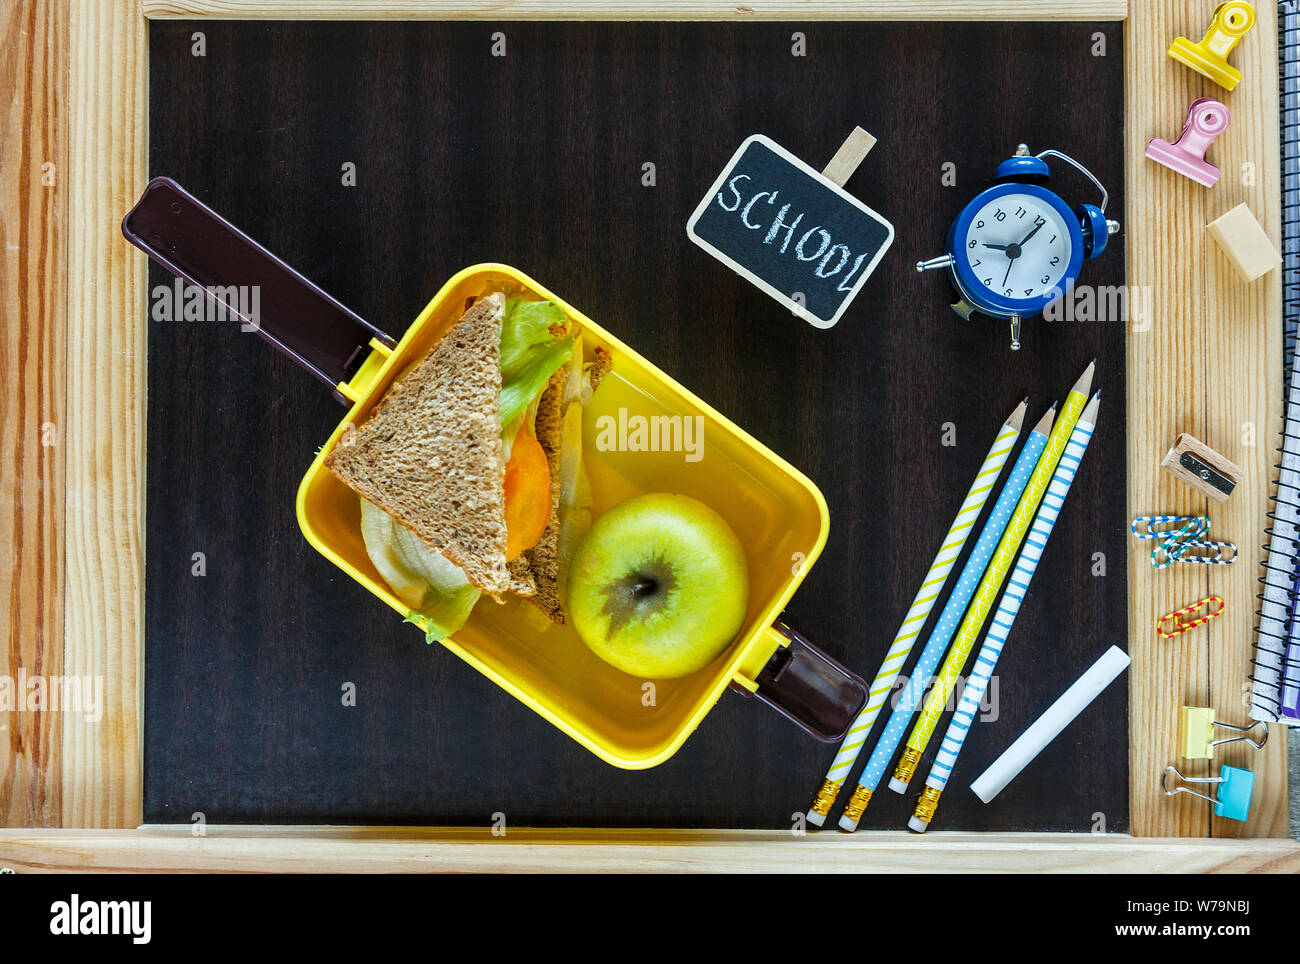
(1206, 120)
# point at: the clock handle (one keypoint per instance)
(1097, 228)
(1081, 169)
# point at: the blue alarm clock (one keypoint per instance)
(1017, 246)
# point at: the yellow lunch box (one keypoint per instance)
(779, 515)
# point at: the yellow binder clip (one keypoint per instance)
(1231, 22)
(1197, 724)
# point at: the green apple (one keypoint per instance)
(659, 586)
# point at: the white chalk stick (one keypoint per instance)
(1045, 729)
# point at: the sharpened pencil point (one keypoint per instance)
(1085, 380)
(1089, 413)
(1017, 418)
(1044, 425)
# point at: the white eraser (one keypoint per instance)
(917, 825)
(897, 785)
(1055, 719)
(848, 824)
(815, 818)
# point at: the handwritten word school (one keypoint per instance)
(816, 244)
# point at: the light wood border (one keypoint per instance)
(99, 768)
(1210, 364)
(458, 850)
(805, 10)
(103, 598)
(33, 283)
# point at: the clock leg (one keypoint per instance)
(1015, 333)
(943, 261)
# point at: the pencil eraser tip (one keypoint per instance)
(917, 825)
(847, 824)
(815, 818)
(897, 785)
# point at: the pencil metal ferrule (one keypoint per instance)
(826, 796)
(907, 765)
(857, 803)
(928, 803)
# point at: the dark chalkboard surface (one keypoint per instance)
(535, 159)
(779, 223)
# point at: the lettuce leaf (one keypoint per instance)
(444, 613)
(437, 590)
(530, 353)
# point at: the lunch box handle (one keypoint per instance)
(252, 286)
(805, 685)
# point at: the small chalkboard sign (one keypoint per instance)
(790, 230)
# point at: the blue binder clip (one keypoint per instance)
(1231, 799)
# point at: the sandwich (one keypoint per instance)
(469, 469)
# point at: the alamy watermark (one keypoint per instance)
(53, 694)
(651, 433)
(185, 302)
(1104, 303)
(127, 918)
(989, 701)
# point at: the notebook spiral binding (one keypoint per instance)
(1288, 47)
(1271, 664)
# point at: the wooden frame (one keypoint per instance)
(76, 72)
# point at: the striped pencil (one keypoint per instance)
(1004, 618)
(991, 584)
(910, 696)
(918, 612)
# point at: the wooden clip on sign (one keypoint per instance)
(794, 232)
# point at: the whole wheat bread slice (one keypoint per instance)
(543, 559)
(431, 455)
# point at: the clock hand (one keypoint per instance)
(1010, 262)
(1032, 233)
(1000, 247)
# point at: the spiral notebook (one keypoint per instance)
(1275, 675)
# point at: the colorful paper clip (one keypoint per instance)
(1209, 56)
(1144, 526)
(1231, 799)
(1219, 553)
(1196, 729)
(1182, 540)
(1178, 626)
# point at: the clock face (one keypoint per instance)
(1018, 246)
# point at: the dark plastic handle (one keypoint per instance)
(196, 244)
(810, 688)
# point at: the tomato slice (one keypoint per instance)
(528, 494)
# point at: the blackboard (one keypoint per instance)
(780, 224)
(535, 159)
